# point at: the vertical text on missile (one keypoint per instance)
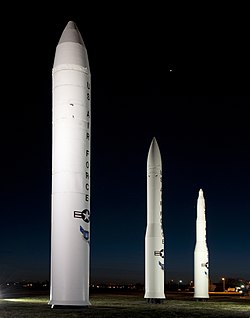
(87, 166)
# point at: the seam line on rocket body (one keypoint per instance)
(68, 67)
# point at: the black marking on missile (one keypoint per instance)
(85, 233)
(159, 253)
(161, 265)
(204, 264)
(85, 215)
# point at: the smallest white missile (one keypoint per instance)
(154, 238)
(201, 273)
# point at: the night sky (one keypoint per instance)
(149, 68)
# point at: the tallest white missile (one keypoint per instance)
(70, 201)
(201, 274)
(154, 237)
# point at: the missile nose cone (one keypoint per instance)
(154, 155)
(71, 48)
(201, 204)
(201, 195)
(71, 34)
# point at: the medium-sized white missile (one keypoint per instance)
(201, 273)
(154, 238)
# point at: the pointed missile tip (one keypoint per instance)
(71, 24)
(154, 141)
(77, 54)
(154, 156)
(71, 34)
(201, 193)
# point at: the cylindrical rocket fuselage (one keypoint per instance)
(201, 272)
(154, 238)
(70, 208)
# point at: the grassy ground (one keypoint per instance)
(127, 306)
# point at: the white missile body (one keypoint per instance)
(154, 238)
(70, 201)
(201, 273)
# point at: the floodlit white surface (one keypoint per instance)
(154, 238)
(70, 215)
(201, 272)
